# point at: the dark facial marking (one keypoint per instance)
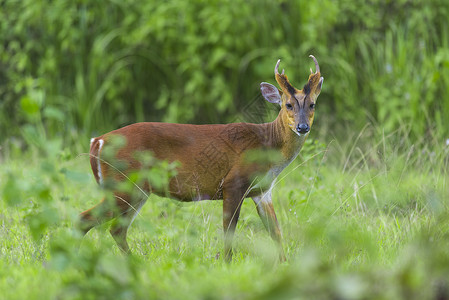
(291, 90)
(306, 89)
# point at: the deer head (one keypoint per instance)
(298, 106)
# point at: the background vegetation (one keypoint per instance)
(87, 66)
(364, 210)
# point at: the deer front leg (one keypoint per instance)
(268, 216)
(232, 202)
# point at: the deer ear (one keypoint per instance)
(320, 85)
(270, 93)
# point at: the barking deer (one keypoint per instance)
(215, 162)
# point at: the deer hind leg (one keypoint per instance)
(266, 212)
(123, 221)
(122, 208)
(96, 215)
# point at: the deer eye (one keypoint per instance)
(312, 106)
(288, 105)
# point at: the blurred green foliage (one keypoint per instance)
(79, 68)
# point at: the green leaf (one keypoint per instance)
(29, 105)
(39, 221)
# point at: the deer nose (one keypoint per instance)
(303, 128)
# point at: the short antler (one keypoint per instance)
(317, 67)
(282, 80)
(276, 71)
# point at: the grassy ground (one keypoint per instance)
(362, 218)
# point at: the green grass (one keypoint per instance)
(362, 218)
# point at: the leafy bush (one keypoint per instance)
(85, 67)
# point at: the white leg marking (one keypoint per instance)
(265, 197)
(100, 175)
(91, 141)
